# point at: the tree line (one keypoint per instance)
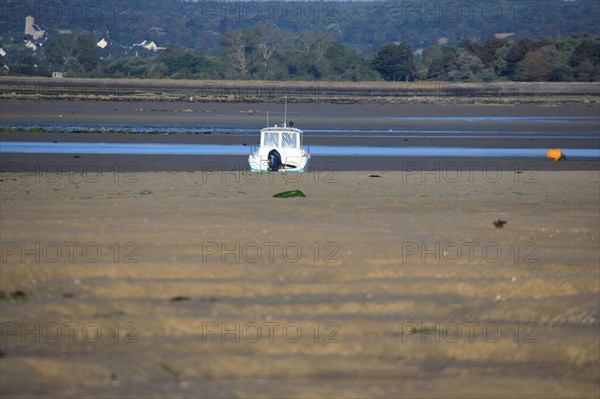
(362, 25)
(268, 53)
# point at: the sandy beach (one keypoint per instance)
(128, 275)
(377, 284)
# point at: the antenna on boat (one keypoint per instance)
(285, 113)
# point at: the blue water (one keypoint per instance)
(236, 130)
(545, 119)
(207, 149)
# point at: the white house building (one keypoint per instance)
(29, 44)
(151, 46)
(102, 43)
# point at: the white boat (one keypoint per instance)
(280, 150)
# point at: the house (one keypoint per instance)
(58, 74)
(102, 43)
(32, 29)
(151, 46)
(442, 40)
(108, 49)
(31, 45)
(2, 52)
(503, 36)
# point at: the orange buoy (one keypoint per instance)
(556, 154)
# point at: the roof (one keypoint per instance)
(148, 45)
(504, 35)
(281, 129)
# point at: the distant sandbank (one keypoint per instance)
(38, 88)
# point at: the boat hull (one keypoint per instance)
(261, 163)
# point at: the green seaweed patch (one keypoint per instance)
(290, 194)
(15, 296)
(499, 223)
(20, 129)
(421, 330)
(169, 370)
(110, 313)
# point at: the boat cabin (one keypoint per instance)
(280, 150)
(280, 137)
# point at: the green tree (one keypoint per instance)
(535, 67)
(450, 59)
(486, 51)
(436, 70)
(395, 62)
(500, 64)
(30, 66)
(559, 55)
(344, 64)
(158, 70)
(85, 49)
(468, 67)
(59, 48)
(517, 53)
(183, 64)
(586, 60)
(266, 42)
(307, 55)
(237, 53)
(65, 53)
(132, 67)
(72, 64)
(433, 61)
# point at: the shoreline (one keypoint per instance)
(53, 164)
(166, 90)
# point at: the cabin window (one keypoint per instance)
(271, 139)
(289, 140)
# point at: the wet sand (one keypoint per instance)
(325, 124)
(51, 164)
(381, 117)
(389, 286)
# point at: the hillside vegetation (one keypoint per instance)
(549, 40)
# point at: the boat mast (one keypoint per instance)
(285, 113)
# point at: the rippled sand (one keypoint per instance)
(203, 285)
